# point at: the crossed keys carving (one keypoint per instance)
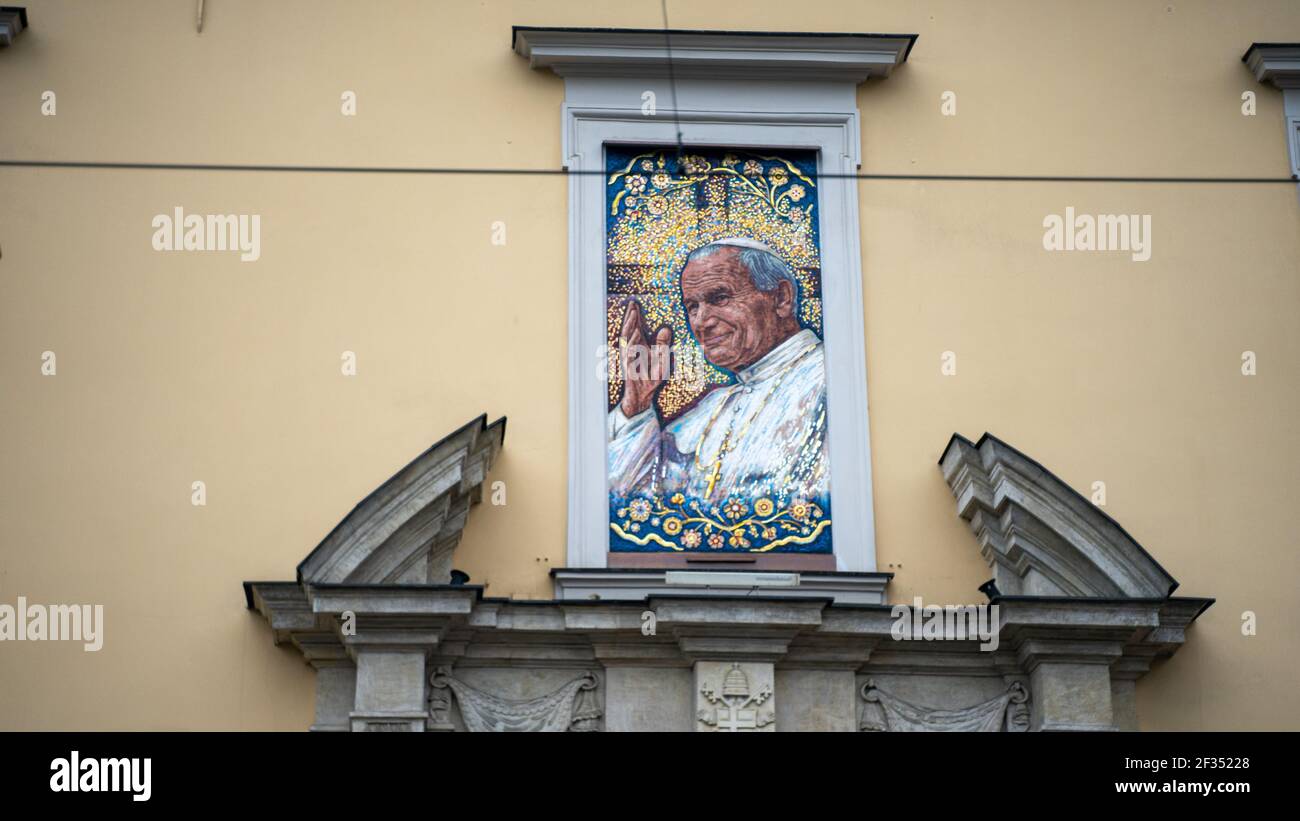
(736, 708)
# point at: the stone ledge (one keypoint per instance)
(13, 20)
(711, 54)
(1276, 63)
(629, 584)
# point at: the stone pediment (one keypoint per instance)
(1039, 535)
(395, 647)
(404, 532)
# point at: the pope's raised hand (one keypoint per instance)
(645, 368)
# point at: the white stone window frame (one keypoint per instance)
(744, 91)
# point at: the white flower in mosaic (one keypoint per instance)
(735, 508)
(647, 165)
(691, 538)
(799, 509)
(796, 192)
(778, 176)
(752, 168)
(796, 215)
(636, 184)
(638, 510)
(661, 180)
(657, 205)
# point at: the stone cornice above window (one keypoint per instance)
(712, 54)
(13, 19)
(1279, 64)
(1276, 63)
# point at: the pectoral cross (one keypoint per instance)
(717, 465)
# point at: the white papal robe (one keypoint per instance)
(776, 416)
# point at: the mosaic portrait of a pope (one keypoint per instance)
(717, 433)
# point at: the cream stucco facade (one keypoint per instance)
(175, 367)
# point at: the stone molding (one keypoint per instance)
(587, 52)
(1055, 639)
(1279, 65)
(13, 20)
(675, 660)
(634, 584)
(1040, 536)
(1276, 63)
(405, 531)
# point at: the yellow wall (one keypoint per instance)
(181, 367)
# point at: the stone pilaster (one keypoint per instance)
(818, 684)
(389, 691)
(336, 682)
(1124, 674)
(1070, 683)
(648, 684)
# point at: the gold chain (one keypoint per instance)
(728, 444)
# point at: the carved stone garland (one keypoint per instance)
(1008, 712)
(571, 708)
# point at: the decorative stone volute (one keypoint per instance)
(1040, 536)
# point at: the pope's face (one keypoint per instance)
(735, 323)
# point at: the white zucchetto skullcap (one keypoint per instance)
(741, 242)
